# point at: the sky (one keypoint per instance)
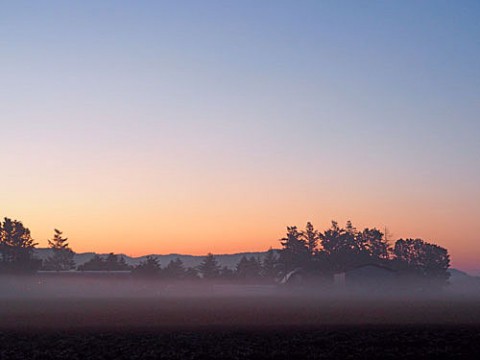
(190, 127)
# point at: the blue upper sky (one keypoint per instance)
(399, 70)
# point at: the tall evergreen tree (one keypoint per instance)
(115, 262)
(111, 262)
(209, 268)
(248, 268)
(269, 265)
(341, 247)
(311, 238)
(295, 251)
(97, 263)
(241, 268)
(150, 267)
(175, 270)
(226, 273)
(191, 274)
(62, 255)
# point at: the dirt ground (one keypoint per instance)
(279, 327)
(340, 342)
(250, 311)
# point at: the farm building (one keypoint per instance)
(366, 277)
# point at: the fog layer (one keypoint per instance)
(33, 302)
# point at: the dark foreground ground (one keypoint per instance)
(341, 342)
(251, 327)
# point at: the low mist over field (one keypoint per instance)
(97, 301)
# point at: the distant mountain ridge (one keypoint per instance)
(229, 260)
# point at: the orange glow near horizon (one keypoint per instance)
(232, 222)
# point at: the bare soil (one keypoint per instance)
(280, 327)
(341, 342)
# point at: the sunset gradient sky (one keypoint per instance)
(209, 126)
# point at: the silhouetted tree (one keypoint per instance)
(209, 267)
(342, 249)
(373, 243)
(242, 268)
(16, 247)
(311, 238)
(345, 248)
(111, 262)
(226, 273)
(94, 264)
(255, 269)
(418, 257)
(191, 274)
(116, 263)
(248, 269)
(150, 267)
(295, 251)
(269, 265)
(337, 240)
(62, 256)
(175, 270)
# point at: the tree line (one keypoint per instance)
(337, 249)
(247, 269)
(17, 256)
(340, 249)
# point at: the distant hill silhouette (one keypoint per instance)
(462, 282)
(229, 260)
(458, 278)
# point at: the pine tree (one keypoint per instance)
(150, 267)
(241, 268)
(341, 246)
(254, 268)
(97, 263)
(311, 237)
(175, 270)
(191, 274)
(115, 262)
(295, 251)
(62, 256)
(209, 267)
(269, 265)
(248, 268)
(111, 262)
(16, 247)
(226, 273)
